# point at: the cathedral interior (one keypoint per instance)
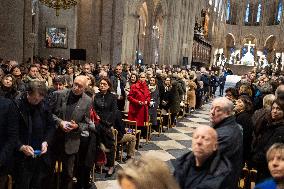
(240, 34)
(183, 32)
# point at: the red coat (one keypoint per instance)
(139, 113)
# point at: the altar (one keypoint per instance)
(248, 59)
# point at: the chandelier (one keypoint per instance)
(59, 4)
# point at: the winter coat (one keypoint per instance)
(267, 184)
(230, 141)
(191, 96)
(139, 113)
(153, 108)
(8, 134)
(244, 119)
(272, 132)
(176, 94)
(215, 173)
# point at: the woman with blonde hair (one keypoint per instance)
(146, 173)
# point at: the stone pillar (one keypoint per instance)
(106, 34)
(88, 27)
(12, 30)
(29, 37)
(117, 31)
(111, 35)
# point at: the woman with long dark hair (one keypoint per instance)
(8, 87)
(105, 105)
(270, 133)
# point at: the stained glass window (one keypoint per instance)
(228, 10)
(279, 12)
(247, 13)
(258, 15)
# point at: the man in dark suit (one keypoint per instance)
(8, 136)
(70, 109)
(118, 83)
(36, 129)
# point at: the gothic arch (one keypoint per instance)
(232, 39)
(230, 43)
(270, 42)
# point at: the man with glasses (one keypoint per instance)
(70, 110)
(45, 75)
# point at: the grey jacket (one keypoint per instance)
(81, 115)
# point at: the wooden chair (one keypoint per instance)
(132, 129)
(248, 178)
(10, 182)
(167, 116)
(160, 121)
(58, 170)
(148, 126)
(115, 133)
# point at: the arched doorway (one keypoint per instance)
(269, 48)
(230, 53)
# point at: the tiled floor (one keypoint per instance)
(170, 145)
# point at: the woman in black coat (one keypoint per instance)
(243, 112)
(270, 133)
(105, 105)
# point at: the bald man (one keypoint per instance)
(230, 139)
(70, 110)
(204, 167)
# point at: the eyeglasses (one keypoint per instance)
(44, 68)
(104, 84)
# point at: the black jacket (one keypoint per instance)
(214, 174)
(25, 115)
(230, 141)
(244, 119)
(8, 133)
(106, 106)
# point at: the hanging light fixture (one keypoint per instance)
(59, 4)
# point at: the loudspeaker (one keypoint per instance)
(185, 61)
(78, 54)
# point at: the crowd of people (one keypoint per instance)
(56, 110)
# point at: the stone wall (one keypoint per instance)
(11, 30)
(66, 18)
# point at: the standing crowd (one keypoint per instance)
(55, 110)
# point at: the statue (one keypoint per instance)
(205, 22)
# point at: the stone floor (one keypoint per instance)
(168, 146)
(172, 143)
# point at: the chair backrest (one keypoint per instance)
(115, 133)
(131, 125)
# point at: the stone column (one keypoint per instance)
(29, 37)
(12, 30)
(107, 29)
(88, 27)
(111, 33)
(117, 31)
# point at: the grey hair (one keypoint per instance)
(225, 104)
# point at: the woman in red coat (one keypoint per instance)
(139, 98)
